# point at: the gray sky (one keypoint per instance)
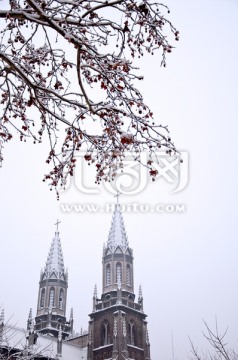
(186, 262)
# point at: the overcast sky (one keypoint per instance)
(186, 262)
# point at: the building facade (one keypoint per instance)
(117, 325)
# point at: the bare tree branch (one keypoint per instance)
(219, 346)
(68, 64)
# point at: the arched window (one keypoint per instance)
(105, 333)
(42, 298)
(52, 297)
(61, 298)
(118, 273)
(132, 334)
(128, 275)
(108, 274)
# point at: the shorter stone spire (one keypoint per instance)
(52, 295)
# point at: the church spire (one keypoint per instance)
(117, 257)
(117, 324)
(117, 235)
(55, 261)
(52, 296)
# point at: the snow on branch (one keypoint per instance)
(67, 73)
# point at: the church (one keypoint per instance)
(117, 324)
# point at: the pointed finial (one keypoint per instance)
(71, 314)
(140, 292)
(57, 225)
(95, 291)
(2, 317)
(30, 314)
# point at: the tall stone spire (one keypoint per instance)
(55, 261)
(117, 257)
(117, 326)
(117, 235)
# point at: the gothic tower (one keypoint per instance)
(51, 306)
(118, 326)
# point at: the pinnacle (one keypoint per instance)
(30, 314)
(71, 314)
(117, 235)
(2, 317)
(95, 291)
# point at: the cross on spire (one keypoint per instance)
(57, 225)
(117, 196)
